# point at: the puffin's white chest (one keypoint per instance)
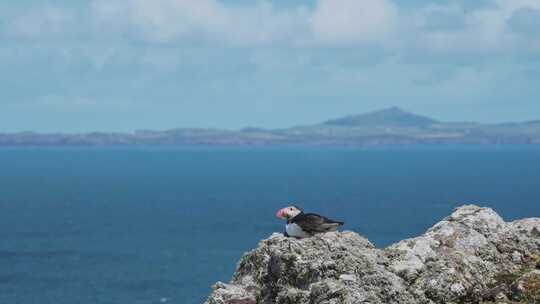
(295, 230)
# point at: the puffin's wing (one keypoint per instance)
(314, 223)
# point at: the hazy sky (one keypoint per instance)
(110, 65)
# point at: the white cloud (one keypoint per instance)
(45, 22)
(330, 22)
(169, 19)
(204, 20)
(353, 21)
(446, 28)
(453, 29)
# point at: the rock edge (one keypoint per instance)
(471, 256)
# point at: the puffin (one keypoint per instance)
(303, 225)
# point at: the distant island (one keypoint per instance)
(392, 126)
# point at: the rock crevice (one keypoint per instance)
(471, 256)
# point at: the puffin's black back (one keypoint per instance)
(315, 223)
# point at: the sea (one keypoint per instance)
(160, 225)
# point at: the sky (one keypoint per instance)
(111, 65)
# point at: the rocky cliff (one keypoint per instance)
(472, 256)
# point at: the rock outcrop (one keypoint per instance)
(472, 256)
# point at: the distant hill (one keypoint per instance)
(392, 126)
(533, 122)
(388, 117)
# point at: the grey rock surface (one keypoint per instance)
(471, 256)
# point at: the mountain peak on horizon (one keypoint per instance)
(392, 116)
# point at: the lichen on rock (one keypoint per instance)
(527, 287)
(458, 260)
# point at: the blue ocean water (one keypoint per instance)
(160, 225)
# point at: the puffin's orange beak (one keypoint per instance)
(281, 213)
